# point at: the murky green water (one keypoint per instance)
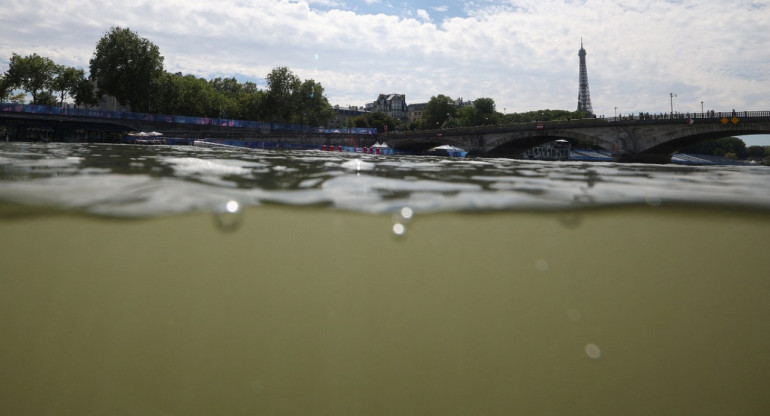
(127, 287)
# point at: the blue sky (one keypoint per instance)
(521, 53)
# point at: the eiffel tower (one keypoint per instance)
(584, 95)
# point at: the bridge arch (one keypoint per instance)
(678, 140)
(514, 144)
(422, 144)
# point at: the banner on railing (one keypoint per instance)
(164, 118)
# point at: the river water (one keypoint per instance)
(175, 280)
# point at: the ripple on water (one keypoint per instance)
(123, 180)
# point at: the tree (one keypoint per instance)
(542, 115)
(282, 86)
(5, 88)
(360, 121)
(719, 147)
(46, 98)
(127, 67)
(482, 112)
(313, 107)
(469, 116)
(65, 81)
(189, 96)
(486, 109)
(33, 74)
(376, 120)
(18, 98)
(167, 94)
(251, 104)
(84, 93)
(755, 152)
(437, 111)
(227, 86)
(291, 100)
(379, 120)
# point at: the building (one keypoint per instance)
(416, 111)
(459, 103)
(393, 105)
(343, 115)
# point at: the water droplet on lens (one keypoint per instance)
(406, 213)
(593, 351)
(574, 315)
(542, 265)
(227, 216)
(400, 219)
(653, 201)
(583, 199)
(399, 229)
(570, 220)
(232, 207)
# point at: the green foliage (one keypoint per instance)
(288, 100)
(18, 98)
(482, 113)
(485, 107)
(47, 82)
(376, 120)
(282, 91)
(46, 98)
(229, 87)
(437, 111)
(361, 121)
(188, 95)
(84, 93)
(293, 101)
(757, 152)
(130, 68)
(33, 74)
(543, 115)
(312, 107)
(5, 88)
(719, 147)
(127, 67)
(441, 112)
(65, 81)
(379, 120)
(250, 104)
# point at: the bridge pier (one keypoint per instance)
(660, 159)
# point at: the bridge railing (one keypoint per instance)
(683, 116)
(164, 118)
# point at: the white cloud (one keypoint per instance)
(523, 53)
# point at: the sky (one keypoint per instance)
(521, 53)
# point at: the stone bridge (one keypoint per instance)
(638, 139)
(645, 139)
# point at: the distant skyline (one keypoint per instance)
(523, 53)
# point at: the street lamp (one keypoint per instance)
(672, 104)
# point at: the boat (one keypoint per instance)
(447, 150)
(142, 137)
